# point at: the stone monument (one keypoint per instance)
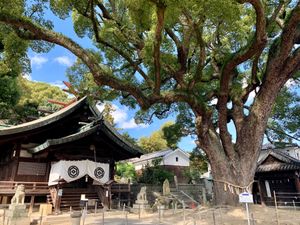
(163, 200)
(166, 188)
(141, 204)
(16, 213)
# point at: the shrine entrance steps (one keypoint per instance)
(70, 199)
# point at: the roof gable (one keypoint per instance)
(47, 120)
(271, 160)
(179, 151)
(277, 156)
(274, 160)
(151, 156)
(76, 122)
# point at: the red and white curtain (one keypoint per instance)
(74, 170)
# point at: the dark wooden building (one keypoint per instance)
(74, 136)
(277, 173)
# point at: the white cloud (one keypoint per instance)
(64, 60)
(120, 116)
(58, 83)
(132, 124)
(129, 124)
(38, 61)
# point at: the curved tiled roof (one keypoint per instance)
(44, 120)
(98, 123)
(284, 163)
(73, 137)
(88, 129)
(277, 167)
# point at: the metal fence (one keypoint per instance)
(181, 216)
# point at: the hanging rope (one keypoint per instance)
(235, 188)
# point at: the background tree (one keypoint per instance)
(155, 174)
(127, 136)
(283, 125)
(165, 137)
(32, 100)
(11, 66)
(201, 59)
(198, 165)
(155, 142)
(107, 113)
(125, 170)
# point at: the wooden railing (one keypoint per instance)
(120, 188)
(8, 187)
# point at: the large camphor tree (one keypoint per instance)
(214, 63)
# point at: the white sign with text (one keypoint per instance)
(246, 197)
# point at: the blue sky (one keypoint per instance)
(51, 68)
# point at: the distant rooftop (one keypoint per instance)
(285, 162)
(155, 155)
(278, 145)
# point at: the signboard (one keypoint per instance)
(246, 197)
(60, 192)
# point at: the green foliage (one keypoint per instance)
(107, 113)
(198, 165)
(155, 142)
(129, 138)
(199, 60)
(155, 175)
(9, 95)
(167, 136)
(27, 98)
(125, 170)
(172, 133)
(11, 58)
(83, 83)
(39, 93)
(224, 26)
(284, 122)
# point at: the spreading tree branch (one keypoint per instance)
(160, 13)
(243, 55)
(102, 77)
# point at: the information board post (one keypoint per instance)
(248, 214)
(246, 198)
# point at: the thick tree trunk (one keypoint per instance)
(228, 183)
(233, 170)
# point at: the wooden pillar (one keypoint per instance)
(129, 191)
(109, 196)
(4, 200)
(261, 193)
(15, 160)
(58, 199)
(31, 204)
(297, 183)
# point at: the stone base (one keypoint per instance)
(136, 208)
(141, 202)
(16, 214)
(17, 207)
(17, 221)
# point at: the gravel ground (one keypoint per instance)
(199, 216)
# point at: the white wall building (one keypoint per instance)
(168, 157)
